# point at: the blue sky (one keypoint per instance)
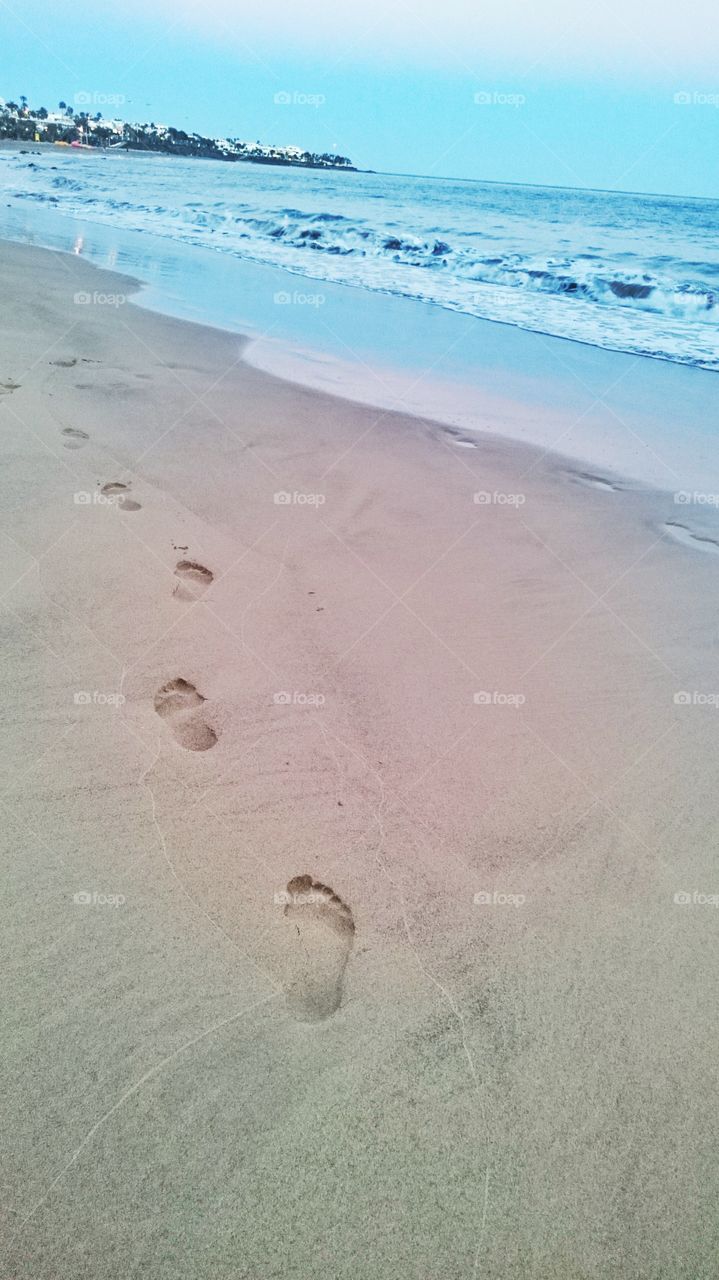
(496, 91)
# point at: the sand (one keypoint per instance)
(350, 778)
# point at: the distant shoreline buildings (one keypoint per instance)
(66, 125)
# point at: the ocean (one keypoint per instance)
(391, 291)
(625, 272)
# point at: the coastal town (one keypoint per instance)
(68, 125)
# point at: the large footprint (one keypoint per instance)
(194, 579)
(323, 934)
(121, 493)
(179, 703)
(74, 437)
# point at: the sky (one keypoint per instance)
(619, 94)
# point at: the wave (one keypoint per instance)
(335, 234)
(653, 303)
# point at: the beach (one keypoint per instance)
(359, 851)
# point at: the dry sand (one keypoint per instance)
(210, 696)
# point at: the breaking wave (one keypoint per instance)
(499, 256)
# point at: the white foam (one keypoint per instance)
(649, 286)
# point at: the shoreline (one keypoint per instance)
(637, 417)
(298, 644)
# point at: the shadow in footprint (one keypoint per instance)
(194, 579)
(179, 703)
(114, 489)
(323, 935)
(74, 437)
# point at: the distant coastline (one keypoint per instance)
(67, 126)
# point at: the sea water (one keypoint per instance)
(628, 272)
(618, 374)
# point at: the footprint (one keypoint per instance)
(74, 437)
(682, 534)
(114, 489)
(194, 579)
(323, 935)
(592, 481)
(179, 703)
(459, 439)
(65, 364)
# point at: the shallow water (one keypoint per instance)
(613, 412)
(628, 272)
